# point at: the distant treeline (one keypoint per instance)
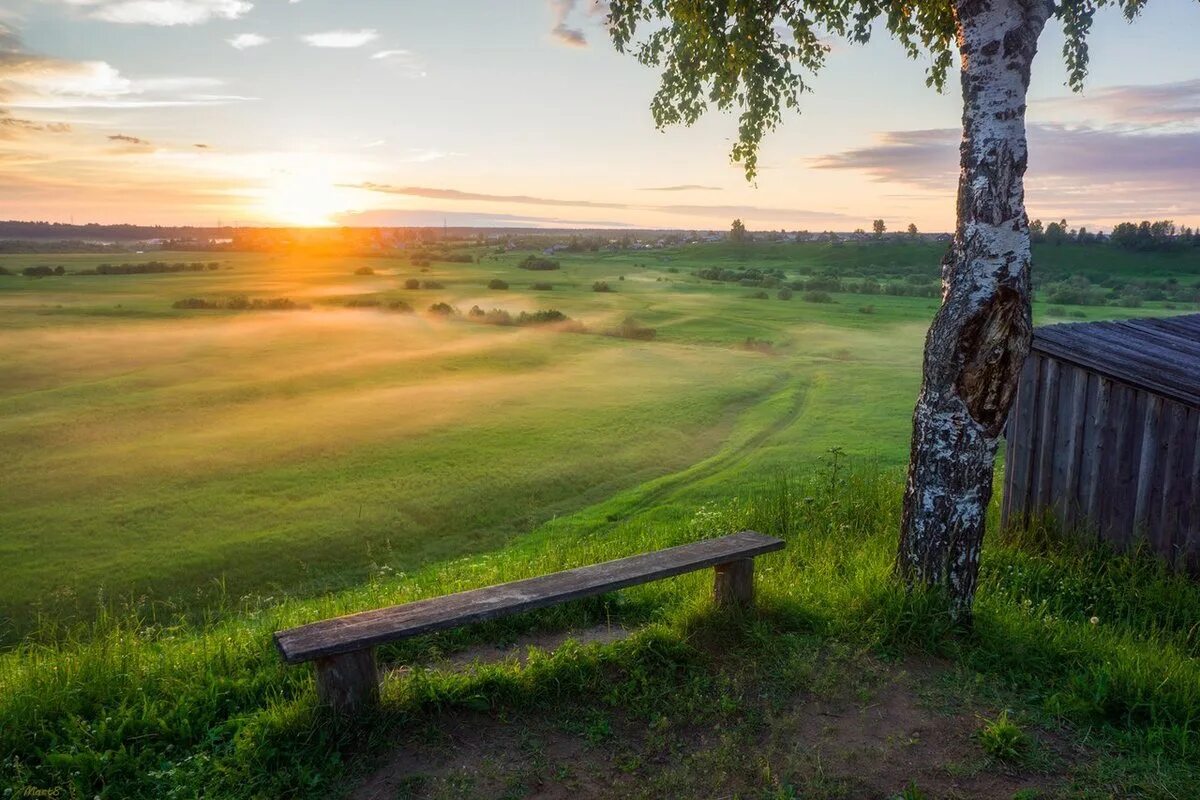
(10, 246)
(151, 268)
(914, 285)
(539, 264)
(1079, 290)
(241, 303)
(1160, 235)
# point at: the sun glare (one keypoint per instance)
(303, 199)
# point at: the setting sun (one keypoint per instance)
(303, 199)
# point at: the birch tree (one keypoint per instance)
(754, 57)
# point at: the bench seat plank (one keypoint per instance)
(370, 628)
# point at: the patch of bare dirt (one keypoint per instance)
(865, 736)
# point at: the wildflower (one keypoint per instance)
(1094, 620)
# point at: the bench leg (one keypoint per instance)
(348, 680)
(734, 583)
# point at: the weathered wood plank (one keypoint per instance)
(1073, 443)
(1092, 475)
(1047, 427)
(733, 583)
(1173, 498)
(370, 628)
(348, 680)
(1019, 439)
(1149, 467)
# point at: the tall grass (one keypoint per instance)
(128, 707)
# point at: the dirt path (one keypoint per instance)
(857, 740)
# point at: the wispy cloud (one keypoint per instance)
(342, 38)
(1163, 104)
(759, 214)
(683, 187)
(246, 40)
(31, 80)
(13, 127)
(163, 12)
(1098, 173)
(120, 137)
(562, 32)
(403, 61)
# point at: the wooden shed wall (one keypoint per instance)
(1102, 454)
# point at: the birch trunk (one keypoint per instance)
(980, 335)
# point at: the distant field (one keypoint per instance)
(177, 453)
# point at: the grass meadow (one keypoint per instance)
(179, 482)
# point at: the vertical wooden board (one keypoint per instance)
(1191, 508)
(1091, 472)
(1018, 448)
(1129, 443)
(1062, 437)
(1175, 463)
(1047, 411)
(1109, 503)
(1148, 489)
(1073, 442)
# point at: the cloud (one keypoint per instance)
(1163, 104)
(120, 137)
(163, 12)
(31, 80)
(1099, 173)
(563, 33)
(403, 61)
(246, 40)
(342, 39)
(683, 187)
(455, 194)
(13, 127)
(433, 218)
(759, 214)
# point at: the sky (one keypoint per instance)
(521, 113)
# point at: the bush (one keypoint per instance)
(601, 286)
(363, 302)
(541, 317)
(1003, 739)
(441, 309)
(364, 271)
(496, 283)
(542, 287)
(818, 297)
(630, 328)
(412, 283)
(4, 271)
(432, 285)
(242, 303)
(539, 264)
(784, 294)
(42, 271)
(194, 302)
(400, 306)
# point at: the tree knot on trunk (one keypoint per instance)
(993, 344)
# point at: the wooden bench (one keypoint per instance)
(344, 647)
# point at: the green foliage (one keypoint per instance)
(412, 283)
(910, 792)
(601, 286)
(538, 264)
(497, 284)
(755, 56)
(1003, 739)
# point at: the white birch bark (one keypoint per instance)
(980, 335)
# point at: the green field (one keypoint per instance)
(168, 454)
(180, 472)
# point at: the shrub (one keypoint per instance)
(541, 317)
(542, 287)
(784, 294)
(364, 271)
(601, 286)
(441, 309)
(496, 283)
(539, 264)
(1003, 739)
(363, 302)
(630, 328)
(42, 271)
(401, 306)
(817, 297)
(194, 302)
(432, 285)
(412, 283)
(475, 312)
(4, 271)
